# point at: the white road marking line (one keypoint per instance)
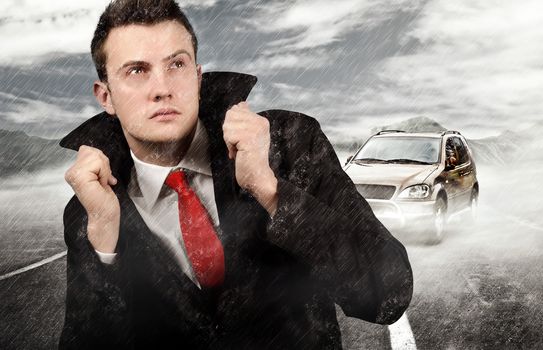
(33, 266)
(401, 335)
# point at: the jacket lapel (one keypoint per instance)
(239, 213)
(221, 91)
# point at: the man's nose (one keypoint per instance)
(161, 88)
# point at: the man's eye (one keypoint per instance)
(135, 70)
(177, 64)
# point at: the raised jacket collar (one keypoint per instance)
(219, 91)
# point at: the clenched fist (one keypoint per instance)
(91, 179)
(247, 136)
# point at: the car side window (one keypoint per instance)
(450, 153)
(462, 151)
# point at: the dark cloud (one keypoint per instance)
(375, 64)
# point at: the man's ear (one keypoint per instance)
(103, 96)
(199, 72)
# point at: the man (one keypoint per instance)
(248, 246)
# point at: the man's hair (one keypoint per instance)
(121, 13)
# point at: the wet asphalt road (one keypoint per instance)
(481, 288)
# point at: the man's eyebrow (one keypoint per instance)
(143, 63)
(177, 53)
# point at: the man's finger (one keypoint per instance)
(104, 173)
(229, 136)
(110, 178)
(231, 150)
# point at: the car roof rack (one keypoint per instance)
(450, 132)
(388, 131)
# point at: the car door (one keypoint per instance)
(452, 181)
(465, 173)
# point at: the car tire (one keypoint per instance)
(473, 206)
(439, 223)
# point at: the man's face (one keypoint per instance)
(153, 82)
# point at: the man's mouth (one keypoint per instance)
(165, 114)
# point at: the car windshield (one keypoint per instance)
(422, 150)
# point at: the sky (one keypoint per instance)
(472, 65)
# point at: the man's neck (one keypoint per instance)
(166, 154)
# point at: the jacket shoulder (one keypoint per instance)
(294, 129)
(287, 118)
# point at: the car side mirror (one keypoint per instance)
(348, 160)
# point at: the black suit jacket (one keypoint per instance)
(283, 275)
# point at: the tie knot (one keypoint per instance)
(176, 180)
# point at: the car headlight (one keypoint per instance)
(415, 192)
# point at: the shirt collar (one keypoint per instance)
(151, 177)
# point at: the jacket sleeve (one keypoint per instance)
(326, 223)
(96, 308)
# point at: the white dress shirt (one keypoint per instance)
(157, 203)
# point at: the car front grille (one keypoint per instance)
(376, 191)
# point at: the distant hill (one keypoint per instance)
(499, 149)
(506, 148)
(417, 124)
(20, 152)
(510, 147)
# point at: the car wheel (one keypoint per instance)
(437, 230)
(474, 206)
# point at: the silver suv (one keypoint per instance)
(416, 181)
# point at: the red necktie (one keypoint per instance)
(203, 247)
